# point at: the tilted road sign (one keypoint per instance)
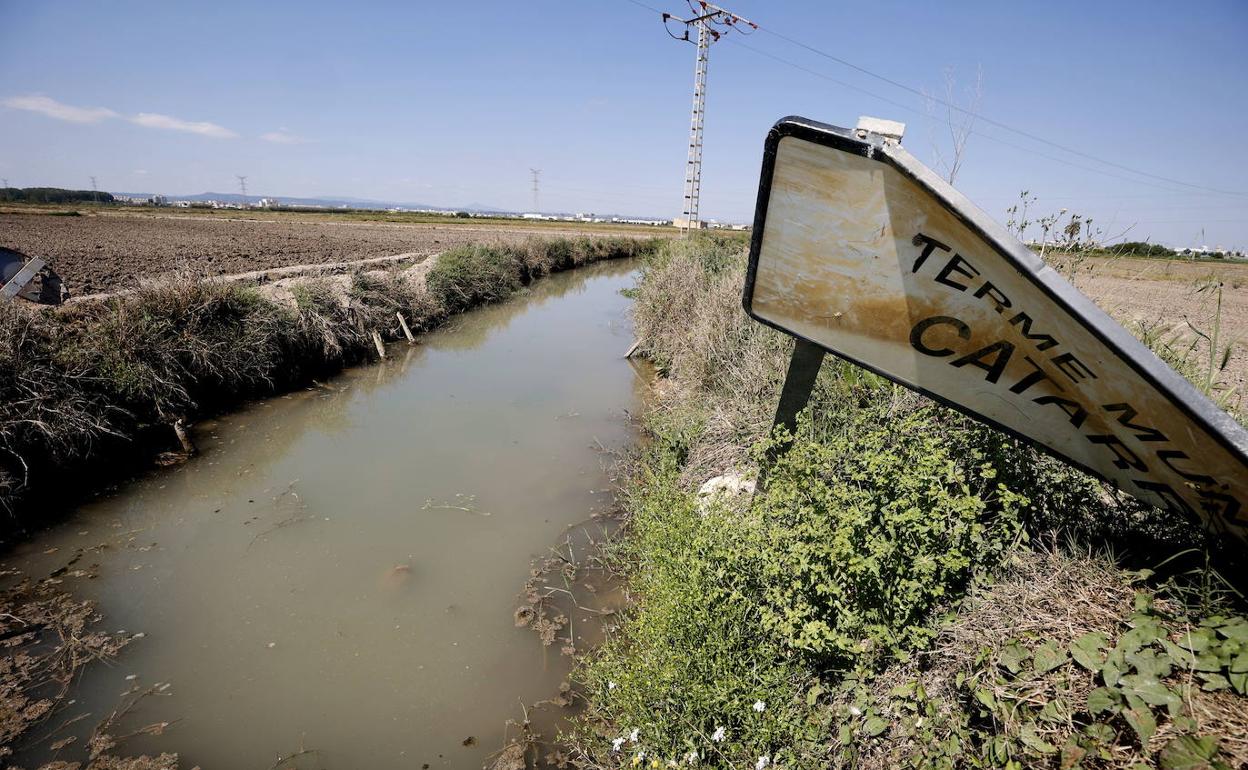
(861, 250)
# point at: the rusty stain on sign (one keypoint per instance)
(862, 250)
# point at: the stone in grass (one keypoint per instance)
(726, 487)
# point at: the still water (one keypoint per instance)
(337, 569)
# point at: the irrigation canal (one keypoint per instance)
(337, 569)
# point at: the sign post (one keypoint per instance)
(861, 250)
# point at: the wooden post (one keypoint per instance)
(184, 438)
(381, 349)
(406, 331)
(798, 384)
(633, 348)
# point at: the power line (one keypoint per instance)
(989, 137)
(990, 121)
(963, 110)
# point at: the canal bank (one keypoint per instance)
(92, 392)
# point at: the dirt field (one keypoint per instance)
(1169, 292)
(104, 252)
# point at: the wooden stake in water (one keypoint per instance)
(406, 331)
(381, 349)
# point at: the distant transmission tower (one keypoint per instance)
(95, 191)
(536, 172)
(711, 23)
(242, 185)
(5, 181)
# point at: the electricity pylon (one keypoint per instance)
(711, 23)
(536, 172)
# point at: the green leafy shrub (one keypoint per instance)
(845, 560)
(869, 531)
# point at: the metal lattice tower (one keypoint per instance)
(536, 172)
(242, 185)
(711, 23)
(95, 191)
(693, 166)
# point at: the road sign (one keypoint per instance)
(861, 250)
(22, 274)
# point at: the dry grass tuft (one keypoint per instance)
(688, 317)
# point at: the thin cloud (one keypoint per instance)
(282, 136)
(203, 128)
(46, 105)
(50, 107)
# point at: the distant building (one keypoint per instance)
(684, 222)
(269, 203)
(158, 200)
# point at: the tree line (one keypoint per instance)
(52, 195)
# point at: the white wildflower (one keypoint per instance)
(691, 758)
(719, 735)
(634, 735)
(762, 762)
(855, 711)
(759, 706)
(616, 744)
(610, 685)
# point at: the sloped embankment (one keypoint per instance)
(910, 589)
(96, 385)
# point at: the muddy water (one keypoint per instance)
(337, 570)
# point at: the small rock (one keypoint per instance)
(730, 485)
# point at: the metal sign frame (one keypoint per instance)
(23, 277)
(1183, 395)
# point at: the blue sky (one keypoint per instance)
(453, 103)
